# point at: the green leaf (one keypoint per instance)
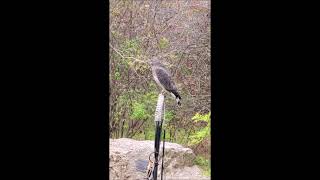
(168, 116)
(198, 117)
(139, 112)
(204, 164)
(203, 133)
(163, 43)
(117, 75)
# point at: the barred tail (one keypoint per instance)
(177, 96)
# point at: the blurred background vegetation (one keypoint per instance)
(178, 32)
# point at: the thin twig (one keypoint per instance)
(135, 60)
(138, 60)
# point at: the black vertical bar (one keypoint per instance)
(157, 143)
(157, 147)
(164, 138)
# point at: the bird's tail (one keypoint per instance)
(177, 96)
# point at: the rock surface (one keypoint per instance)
(178, 161)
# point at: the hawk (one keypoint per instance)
(163, 78)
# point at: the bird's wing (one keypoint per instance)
(164, 78)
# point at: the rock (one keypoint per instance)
(178, 161)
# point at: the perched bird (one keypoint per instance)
(163, 78)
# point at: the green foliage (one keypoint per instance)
(147, 102)
(204, 164)
(163, 43)
(117, 75)
(150, 98)
(115, 34)
(168, 116)
(144, 108)
(150, 133)
(186, 71)
(198, 117)
(181, 135)
(131, 47)
(123, 99)
(152, 85)
(139, 111)
(147, 134)
(134, 93)
(203, 133)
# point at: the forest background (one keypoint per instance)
(178, 31)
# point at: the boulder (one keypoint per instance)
(178, 161)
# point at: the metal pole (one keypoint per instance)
(158, 123)
(164, 138)
(157, 147)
